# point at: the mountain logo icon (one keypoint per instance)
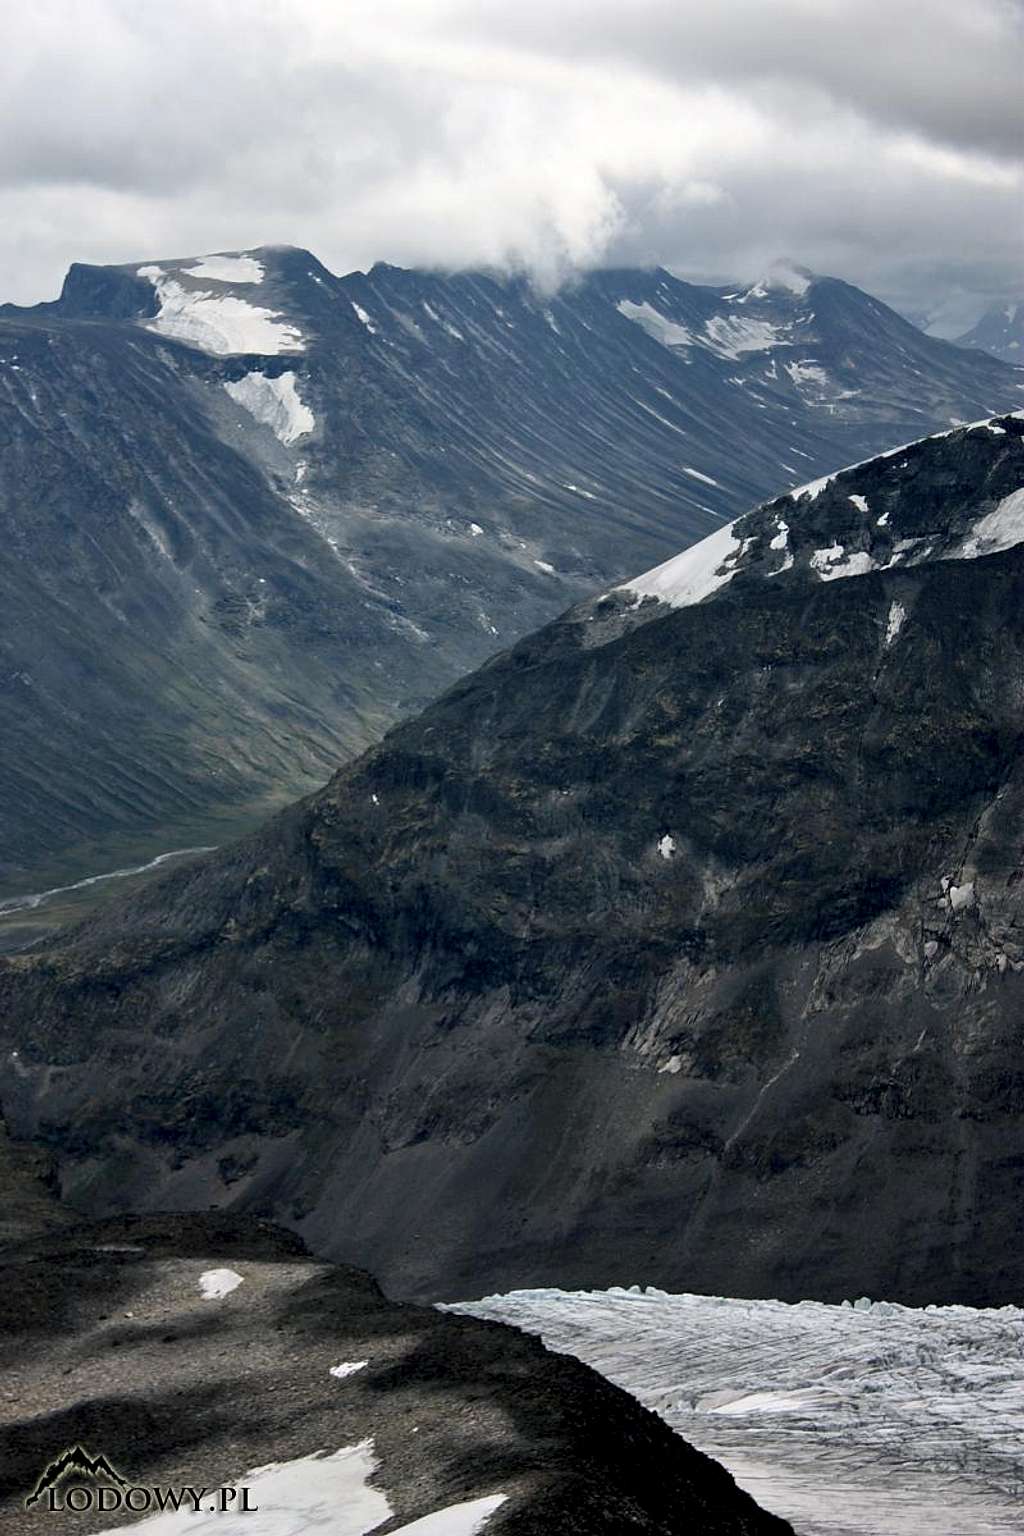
(76, 1459)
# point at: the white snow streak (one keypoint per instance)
(696, 475)
(894, 623)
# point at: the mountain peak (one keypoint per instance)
(968, 501)
(783, 276)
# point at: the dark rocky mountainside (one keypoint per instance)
(1000, 333)
(683, 943)
(252, 513)
(190, 1350)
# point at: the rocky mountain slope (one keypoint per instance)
(213, 1352)
(1000, 333)
(252, 513)
(680, 942)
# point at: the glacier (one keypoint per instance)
(865, 1419)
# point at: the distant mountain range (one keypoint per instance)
(1000, 332)
(252, 513)
(683, 942)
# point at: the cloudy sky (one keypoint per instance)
(875, 140)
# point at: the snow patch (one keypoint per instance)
(860, 502)
(997, 530)
(215, 1283)
(218, 323)
(692, 576)
(894, 623)
(349, 1367)
(475, 530)
(543, 565)
(275, 403)
(962, 897)
(228, 269)
(732, 335)
(666, 846)
(580, 491)
(781, 538)
(647, 317)
(696, 475)
(807, 373)
(363, 317)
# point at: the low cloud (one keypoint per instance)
(881, 143)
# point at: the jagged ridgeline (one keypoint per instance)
(680, 943)
(252, 513)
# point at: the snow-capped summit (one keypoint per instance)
(879, 515)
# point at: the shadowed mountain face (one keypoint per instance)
(253, 513)
(207, 1351)
(682, 943)
(999, 332)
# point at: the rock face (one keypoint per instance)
(252, 513)
(191, 1350)
(1000, 333)
(680, 944)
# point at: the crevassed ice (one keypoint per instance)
(865, 1420)
(275, 403)
(219, 323)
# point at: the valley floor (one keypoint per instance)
(863, 1420)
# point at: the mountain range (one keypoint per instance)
(682, 941)
(253, 513)
(1000, 332)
